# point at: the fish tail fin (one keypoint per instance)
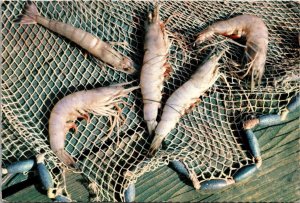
(29, 15)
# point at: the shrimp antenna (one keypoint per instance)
(220, 42)
(123, 83)
(152, 100)
(221, 54)
(212, 54)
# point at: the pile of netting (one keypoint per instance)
(41, 67)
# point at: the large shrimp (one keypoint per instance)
(155, 67)
(87, 41)
(256, 33)
(184, 98)
(100, 101)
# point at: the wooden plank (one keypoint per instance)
(282, 153)
(280, 148)
(34, 193)
(277, 180)
(242, 191)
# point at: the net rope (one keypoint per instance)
(41, 67)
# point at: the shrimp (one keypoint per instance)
(256, 33)
(99, 101)
(87, 41)
(185, 98)
(155, 67)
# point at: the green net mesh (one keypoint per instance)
(41, 67)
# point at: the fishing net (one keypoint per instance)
(41, 67)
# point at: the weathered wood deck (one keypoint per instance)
(277, 180)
